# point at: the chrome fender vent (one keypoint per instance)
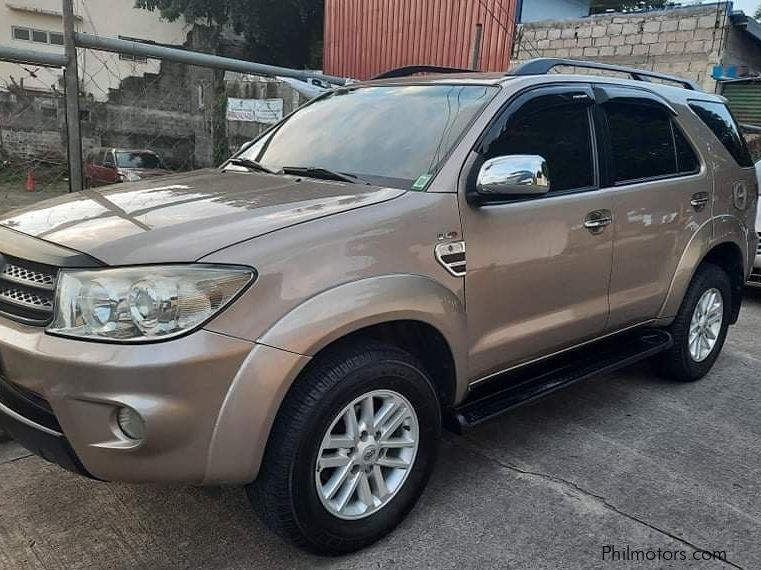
(452, 257)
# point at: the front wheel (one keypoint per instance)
(351, 450)
(701, 324)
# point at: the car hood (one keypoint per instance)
(181, 218)
(147, 172)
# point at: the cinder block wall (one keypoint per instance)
(686, 42)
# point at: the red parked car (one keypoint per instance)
(111, 165)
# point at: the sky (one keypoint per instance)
(747, 6)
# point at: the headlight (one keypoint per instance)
(129, 176)
(139, 304)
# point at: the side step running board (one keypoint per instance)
(537, 380)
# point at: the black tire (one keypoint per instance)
(677, 362)
(285, 495)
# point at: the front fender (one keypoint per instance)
(282, 352)
(335, 313)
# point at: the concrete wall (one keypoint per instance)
(165, 112)
(99, 71)
(538, 10)
(685, 41)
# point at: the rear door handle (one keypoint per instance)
(597, 221)
(699, 201)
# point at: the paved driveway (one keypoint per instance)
(624, 460)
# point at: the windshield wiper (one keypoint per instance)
(323, 173)
(251, 165)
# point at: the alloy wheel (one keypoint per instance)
(705, 325)
(366, 454)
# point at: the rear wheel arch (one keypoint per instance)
(729, 257)
(724, 251)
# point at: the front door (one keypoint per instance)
(539, 268)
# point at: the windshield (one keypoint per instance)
(144, 160)
(392, 135)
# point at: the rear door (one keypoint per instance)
(661, 199)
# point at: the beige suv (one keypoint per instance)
(305, 319)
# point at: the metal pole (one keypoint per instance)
(31, 57)
(477, 47)
(196, 58)
(71, 82)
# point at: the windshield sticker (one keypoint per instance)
(422, 182)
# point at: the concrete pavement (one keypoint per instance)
(623, 460)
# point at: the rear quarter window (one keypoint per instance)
(718, 118)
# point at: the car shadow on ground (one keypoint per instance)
(609, 460)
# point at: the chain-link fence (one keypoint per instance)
(140, 115)
(33, 147)
(147, 117)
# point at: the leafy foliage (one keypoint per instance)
(599, 6)
(207, 11)
(280, 32)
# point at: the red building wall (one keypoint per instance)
(366, 37)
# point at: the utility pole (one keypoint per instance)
(476, 53)
(71, 84)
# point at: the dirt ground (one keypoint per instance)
(14, 195)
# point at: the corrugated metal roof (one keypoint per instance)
(366, 37)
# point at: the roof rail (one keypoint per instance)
(414, 69)
(544, 65)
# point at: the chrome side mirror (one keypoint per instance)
(514, 175)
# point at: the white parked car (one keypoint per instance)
(755, 278)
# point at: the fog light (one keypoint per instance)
(131, 423)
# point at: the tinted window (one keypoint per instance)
(56, 39)
(560, 134)
(21, 33)
(723, 125)
(137, 160)
(686, 159)
(641, 140)
(39, 37)
(390, 135)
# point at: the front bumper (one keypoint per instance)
(18, 413)
(61, 396)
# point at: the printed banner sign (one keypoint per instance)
(254, 110)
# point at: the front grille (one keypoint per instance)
(27, 290)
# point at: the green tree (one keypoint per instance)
(599, 6)
(279, 32)
(757, 13)
(214, 15)
(211, 12)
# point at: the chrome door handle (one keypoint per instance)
(699, 200)
(596, 221)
